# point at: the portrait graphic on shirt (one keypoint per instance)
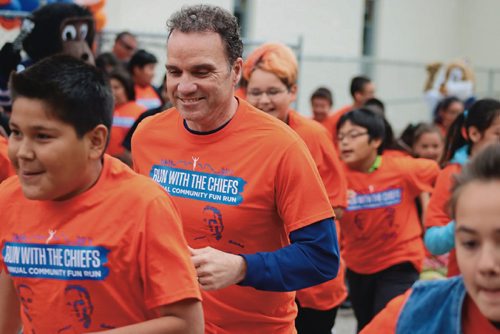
(212, 217)
(80, 310)
(26, 298)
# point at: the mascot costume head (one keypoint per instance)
(54, 28)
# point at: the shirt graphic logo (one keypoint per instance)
(204, 186)
(60, 262)
(212, 217)
(375, 200)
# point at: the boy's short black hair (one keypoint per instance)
(358, 84)
(323, 93)
(140, 59)
(77, 93)
(365, 118)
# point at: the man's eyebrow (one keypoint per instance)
(466, 229)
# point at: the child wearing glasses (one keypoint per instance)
(469, 303)
(381, 233)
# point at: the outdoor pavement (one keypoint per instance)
(345, 323)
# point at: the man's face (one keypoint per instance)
(320, 108)
(200, 81)
(125, 47)
(365, 94)
(477, 240)
(52, 163)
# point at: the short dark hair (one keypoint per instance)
(78, 94)
(485, 166)
(375, 105)
(140, 59)
(126, 80)
(106, 59)
(122, 34)
(323, 93)
(369, 120)
(202, 18)
(444, 105)
(358, 84)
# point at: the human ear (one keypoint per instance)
(97, 139)
(474, 134)
(237, 68)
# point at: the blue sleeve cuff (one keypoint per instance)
(312, 258)
(440, 239)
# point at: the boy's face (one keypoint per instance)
(320, 108)
(477, 241)
(355, 146)
(143, 76)
(52, 163)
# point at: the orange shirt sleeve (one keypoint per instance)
(165, 263)
(387, 319)
(422, 174)
(437, 210)
(330, 169)
(299, 189)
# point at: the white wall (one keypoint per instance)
(328, 27)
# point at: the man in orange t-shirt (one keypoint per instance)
(81, 250)
(362, 89)
(381, 232)
(254, 208)
(6, 168)
(272, 67)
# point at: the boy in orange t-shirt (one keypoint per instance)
(469, 303)
(78, 242)
(381, 232)
(6, 169)
(142, 66)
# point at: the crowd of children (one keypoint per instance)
(259, 219)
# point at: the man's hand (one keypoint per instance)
(217, 269)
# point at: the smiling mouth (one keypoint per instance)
(190, 100)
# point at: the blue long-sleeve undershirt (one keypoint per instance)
(440, 239)
(311, 258)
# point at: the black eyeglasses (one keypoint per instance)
(126, 46)
(350, 135)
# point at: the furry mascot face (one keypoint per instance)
(61, 28)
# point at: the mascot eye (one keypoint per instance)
(84, 29)
(69, 33)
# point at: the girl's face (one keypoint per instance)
(267, 92)
(489, 136)
(477, 240)
(429, 146)
(118, 92)
(449, 115)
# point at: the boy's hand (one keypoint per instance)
(217, 269)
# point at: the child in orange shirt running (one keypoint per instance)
(82, 251)
(271, 73)
(469, 303)
(469, 134)
(381, 233)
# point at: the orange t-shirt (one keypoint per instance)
(473, 321)
(124, 117)
(241, 189)
(380, 227)
(6, 168)
(147, 97)
(437, 210)
(331, 122)
(332, 293)
(103, 259)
